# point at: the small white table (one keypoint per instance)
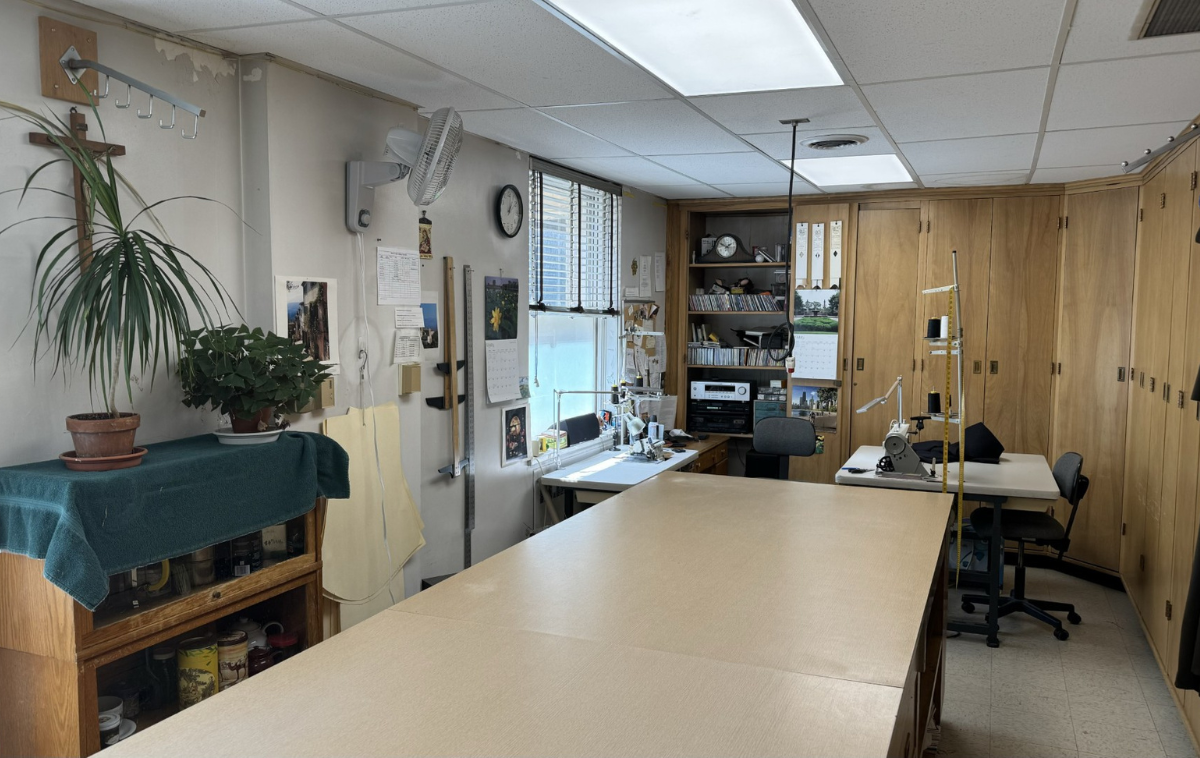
(611, 471)
(1017, 475)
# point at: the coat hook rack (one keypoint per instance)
(1172, 143)
(74, 65)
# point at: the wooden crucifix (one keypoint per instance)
(79, 129)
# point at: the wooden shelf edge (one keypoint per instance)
(259, 585)
(741, 368)
(751, 264)
(735, 313)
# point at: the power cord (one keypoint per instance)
(786, 326)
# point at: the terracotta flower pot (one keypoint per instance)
(256, 423)
(101, 435)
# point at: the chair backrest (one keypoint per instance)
(1066, 475)
(1072, 485)
(781, 435)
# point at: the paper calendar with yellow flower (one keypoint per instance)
(500, 330)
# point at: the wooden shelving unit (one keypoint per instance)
(737, 368)
(743, 264)
(735, 313)
(58, 655)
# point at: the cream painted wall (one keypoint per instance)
(274, 145)
(161, 165)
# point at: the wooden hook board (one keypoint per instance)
(54, 37)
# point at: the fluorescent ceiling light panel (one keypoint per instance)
(711, 47)
(852, 169)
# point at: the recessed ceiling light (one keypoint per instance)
(851, 169)
(710, 47)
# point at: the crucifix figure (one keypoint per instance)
(79, 129)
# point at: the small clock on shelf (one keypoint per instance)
(727, 248)
(510, 211)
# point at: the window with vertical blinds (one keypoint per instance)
(574, 245)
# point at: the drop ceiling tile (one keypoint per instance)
(1104, 146)
(179, 15)
(726, 168)
(630, 170)
(682, 191)
(532, 131)
(985, 179)
(890, 41)
(780, 145)
(980, 105)
(336, 7)
(760, 112)
(1126, 91)
(655, 127)
(1014, 152)
(328, 47)
(1074, 174)
(1103, 29)
(768, 189)
(516, 48)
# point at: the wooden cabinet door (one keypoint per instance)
(1020, 322)
(885, 308)
(1184, 216)
(964, 226)
(1088, 417)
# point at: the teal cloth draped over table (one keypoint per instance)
(186, 495)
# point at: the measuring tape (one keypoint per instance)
(946, 440)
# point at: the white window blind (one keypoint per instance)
(574, 248)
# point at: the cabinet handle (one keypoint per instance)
(216, 595)
(858, 364)
(1121, 374)
(977, 367)
(993, 367)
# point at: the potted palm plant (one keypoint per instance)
(249, 374)
(113, 299)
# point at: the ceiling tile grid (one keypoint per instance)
(516, 48)
(962, 88)
(760, 112)
(654, 127)
(328, 47)
(768, 189)
(1013, 152)
(891, 41)
(534, 132)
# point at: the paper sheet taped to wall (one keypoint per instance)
(356, 566)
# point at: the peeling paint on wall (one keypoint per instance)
(255, 75)
(201, 60)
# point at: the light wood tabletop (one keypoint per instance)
(1016, 475)
(690, 615)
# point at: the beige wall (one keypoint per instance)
(274, 145)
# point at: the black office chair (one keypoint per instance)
(776, 439)
(1035, 528)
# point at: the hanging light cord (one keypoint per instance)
(784, 330)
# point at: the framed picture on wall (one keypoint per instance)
(514, 445)
(306, 312)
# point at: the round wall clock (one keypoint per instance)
(725, 248)
(510, 211)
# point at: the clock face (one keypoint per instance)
(510, 211)
(726, 246)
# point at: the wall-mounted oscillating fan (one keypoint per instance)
(426, 161)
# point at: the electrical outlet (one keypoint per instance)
(327, 397)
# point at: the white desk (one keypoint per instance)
(1017, 475)
(609, 472)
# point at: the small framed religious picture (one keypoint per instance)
(515, 445)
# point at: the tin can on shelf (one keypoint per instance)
(231, 658)
(198, 669)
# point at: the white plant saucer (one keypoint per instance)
(229, 437)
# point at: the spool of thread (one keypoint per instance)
(935, 402)
(944, 330)
(933, 329)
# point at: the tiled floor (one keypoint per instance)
(1098, 693)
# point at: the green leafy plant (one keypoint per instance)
(240, 371)
(132, 300)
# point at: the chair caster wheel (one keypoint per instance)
(1073, 617)
(1061, 634)
(968, 607)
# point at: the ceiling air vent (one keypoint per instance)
(1172, 17)
(833, 141)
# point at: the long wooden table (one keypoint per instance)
(690, 615)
